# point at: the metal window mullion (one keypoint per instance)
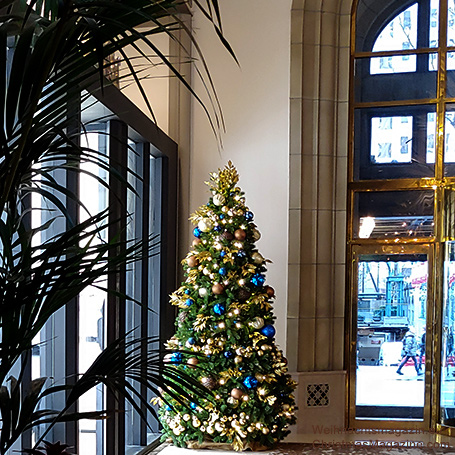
(168, 236)
(72, 308)
(118, 158)
(145, 150)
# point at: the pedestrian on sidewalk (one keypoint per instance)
(409, 351)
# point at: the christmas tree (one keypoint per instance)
(224, 332)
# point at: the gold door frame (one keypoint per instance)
(387, 249)
(444, 230)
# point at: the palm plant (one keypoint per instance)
(61, 48)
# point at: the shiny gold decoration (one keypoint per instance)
(217, 289)
(269, 291)
(231, 401)
(209, 382)
(192, 361)
(201, 322)
(192, 261)
(240, 234)
(223, 181)
(236, 393)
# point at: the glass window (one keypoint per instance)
(394, 142)
(85, 332)
(394, 214)
(390, 353)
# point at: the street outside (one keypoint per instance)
(382, 386)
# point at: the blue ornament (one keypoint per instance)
(250, 382)
(258, 279)
(219, 309)
(191, 340)
(228, 354)
(241, 254)
(268, 331)
(193, 405)
(177, 357)
(217, 228)
(189, 302)
(187, 291)
(221, 217)
(168, 408)
(249, 216)
(222, 271)
(197, 232)
(222, 254)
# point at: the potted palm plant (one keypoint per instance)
(58, 50)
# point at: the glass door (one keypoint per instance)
(447, 376)
(389, 344)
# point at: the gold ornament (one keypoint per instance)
(232, 402)
(219, 199)
(257, 258)
(269, 291)
(196, 422)
(186, 417)
(257, 323)
(240, 234)
(238, 359)
(208, 382)
(256, 234)
(205, 225)
(236, 393)
(192, 361)
(217, 289)
(192, 261)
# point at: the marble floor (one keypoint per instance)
(328, 448)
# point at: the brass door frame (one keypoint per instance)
(388, 249)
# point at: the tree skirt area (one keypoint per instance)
(310, 449)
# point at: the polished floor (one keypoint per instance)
(330, 448)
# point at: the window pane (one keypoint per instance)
(390, 139)
(394, 142)
(391, 322)
(434, 23)
(133, 425)
(400, 33)
(393, 64)
(391, 214)
(92, 300)
(397, 80)
(448, 346)
(449, 141)
(451, 23)
(450, 75)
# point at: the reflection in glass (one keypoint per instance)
(434, 23)
(391, 321)
(447, 401)
(449, 138)
(391, 139)
(451, 23)
(398, 34)
(431, 137)
(92, 302)
(392, 214)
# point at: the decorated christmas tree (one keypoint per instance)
(225, 334)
